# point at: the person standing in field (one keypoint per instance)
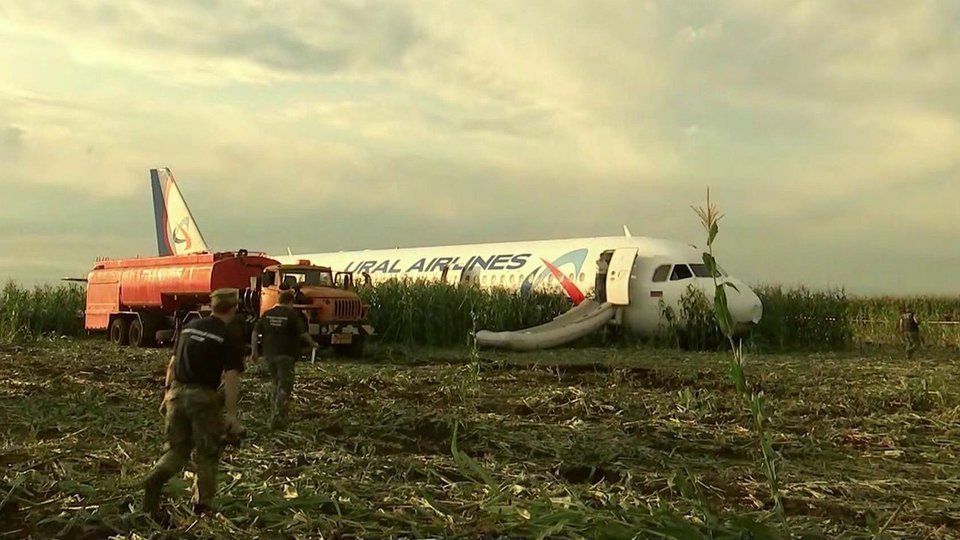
(283, 329)
(910, 331)
(207, 355)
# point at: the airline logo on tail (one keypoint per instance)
(177, 232)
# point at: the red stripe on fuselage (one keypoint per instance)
(572, 291)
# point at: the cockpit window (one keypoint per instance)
(700, 270)
(720, 270)
(661, 273)
(680, 271)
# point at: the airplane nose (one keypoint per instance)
(756, 312)
(745, 306)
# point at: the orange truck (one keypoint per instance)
(146, 301)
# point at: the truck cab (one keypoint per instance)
(333, 311)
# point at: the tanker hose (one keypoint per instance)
(249, 300)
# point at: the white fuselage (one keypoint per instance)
(642, 272)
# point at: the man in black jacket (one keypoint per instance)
(910, 331)
(207, 355)
(283, 330)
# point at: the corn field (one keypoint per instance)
(432, 443)
(802, 319)
(440, 314)
(437, 314)
(692, 326)
(599, 443)
(875, 318)
(46, 310)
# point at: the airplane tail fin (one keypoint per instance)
(177, 231)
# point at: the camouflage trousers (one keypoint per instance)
(194, 423)
(911, 341)
(281, 387)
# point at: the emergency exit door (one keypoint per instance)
(618, 276)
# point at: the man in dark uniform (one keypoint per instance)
(283, 329)
(207, 354)
(910, 331)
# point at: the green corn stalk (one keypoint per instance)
(710, 218)
(437, 314)
(430, 313)
(694, 327)
(802, 319)
(43, 311)
(876, 319)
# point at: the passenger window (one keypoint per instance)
(661, 273)
(680, 271)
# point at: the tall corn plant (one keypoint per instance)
(710, 218)
(799, 319)
(875, 318)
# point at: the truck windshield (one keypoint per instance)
(315, 278)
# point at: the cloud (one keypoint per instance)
(212, 41)
(826, 130)
(11, 139)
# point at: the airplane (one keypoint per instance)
(643, 276)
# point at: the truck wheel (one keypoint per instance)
(353, 350)
(118, 331)
(139, 337)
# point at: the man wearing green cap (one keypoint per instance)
(207, 354)
(283, 330)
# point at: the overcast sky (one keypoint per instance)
(828, 132)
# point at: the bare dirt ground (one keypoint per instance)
(578, 443)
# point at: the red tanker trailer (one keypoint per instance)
(145, 301)
(136, 298)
